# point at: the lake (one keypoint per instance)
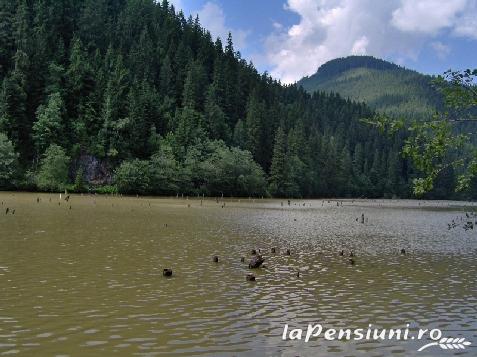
(84, 277)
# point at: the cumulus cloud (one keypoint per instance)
(359, 46)
(334, 28)
(466, 26)
(212, 17)
(427, 16)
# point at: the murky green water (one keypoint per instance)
(87, 281)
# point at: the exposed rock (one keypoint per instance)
(96, 171)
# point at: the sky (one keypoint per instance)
(290, 39)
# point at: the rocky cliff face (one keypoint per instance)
(96, 171)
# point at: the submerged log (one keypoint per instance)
(256, 262)
(250, 277)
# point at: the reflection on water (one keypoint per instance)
(87, 281)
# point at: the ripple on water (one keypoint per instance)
(99, 288)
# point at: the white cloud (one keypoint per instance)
(212, 18)
(329, 29)
(442, 51)
(467, 25)
(427, 16)
(359, 46)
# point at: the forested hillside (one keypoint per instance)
(382, 85)
(129, 95)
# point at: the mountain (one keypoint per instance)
(131, 96)
(382, 85)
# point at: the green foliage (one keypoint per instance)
(133, 176)
(165, 172)
(433, 145)
(231, 171)
(278, 168)
(148, 94)
(48, 129)
(210, 168)
(13, 108)
(8, 163)
(53, 172)
(106, 190)
(459, 88)
(79, 183)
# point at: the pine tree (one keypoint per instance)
(6, 37)
(240, 135)
(215, 117)
(13, 112)
(80, 80)
(277, 170)
(166, 79)
(345, 179)
(48, 129)
(8, 163)
(22, 27)
(253, 124)
(114, 109)
(121, 80)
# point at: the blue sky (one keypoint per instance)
(292, 38)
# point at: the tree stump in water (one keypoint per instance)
(256, 262)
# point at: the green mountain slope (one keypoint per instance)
(384, 86)
(130, 96)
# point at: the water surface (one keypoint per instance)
(84, 277)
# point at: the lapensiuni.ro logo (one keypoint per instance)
(430, 338)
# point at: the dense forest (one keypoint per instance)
(384, 86)
(130, 96)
